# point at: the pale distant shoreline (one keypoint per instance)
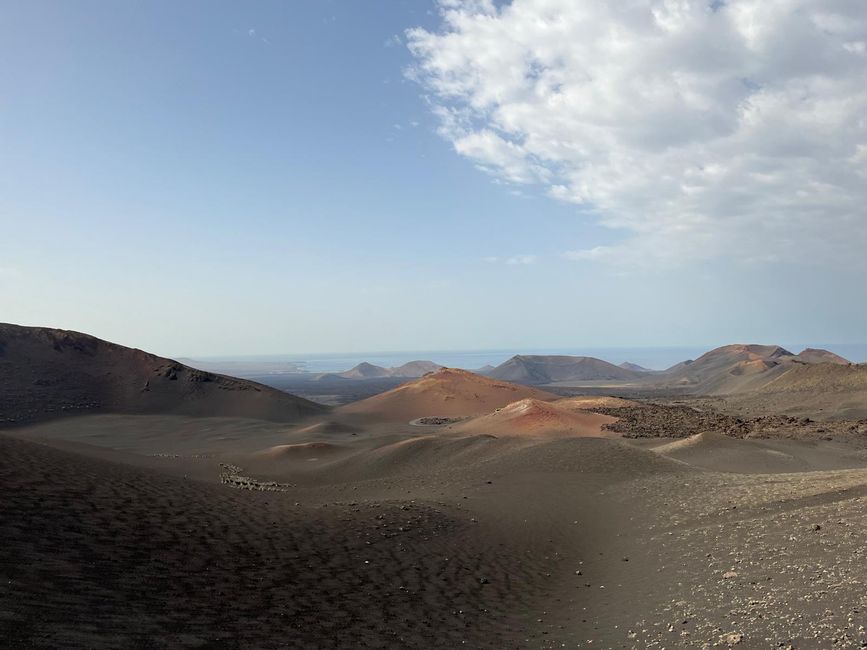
(652, 358)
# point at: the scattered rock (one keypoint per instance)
(732, 638)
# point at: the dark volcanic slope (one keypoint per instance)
(539, 369)
(98, 554)
(46, 373)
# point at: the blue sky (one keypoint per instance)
(215, 178)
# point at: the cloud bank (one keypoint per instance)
(696, 130)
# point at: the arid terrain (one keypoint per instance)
(718, 504)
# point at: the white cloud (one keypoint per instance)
(252, 33)
(521, 259)
(697, 129)
(513, 260)
(595, 253)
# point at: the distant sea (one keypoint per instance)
(653, 358)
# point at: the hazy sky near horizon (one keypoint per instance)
(223, 178)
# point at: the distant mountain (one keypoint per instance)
(47, 373)
(539, 369)
(365, 370)
(447, 392)
(415, 369)
(634, 367)
(732, 369)
(677, 367)
(484, 370)
(815, 355)
(410, 370)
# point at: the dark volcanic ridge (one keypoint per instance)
(47, 373)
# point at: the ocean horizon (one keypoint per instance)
(652, 358)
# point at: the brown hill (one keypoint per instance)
(449, 392)
(814, 355)
(732, 369)
(533, 417)
(47, 373)
(827, 377)
(741, 368)
(546, 369)
(821, 390)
